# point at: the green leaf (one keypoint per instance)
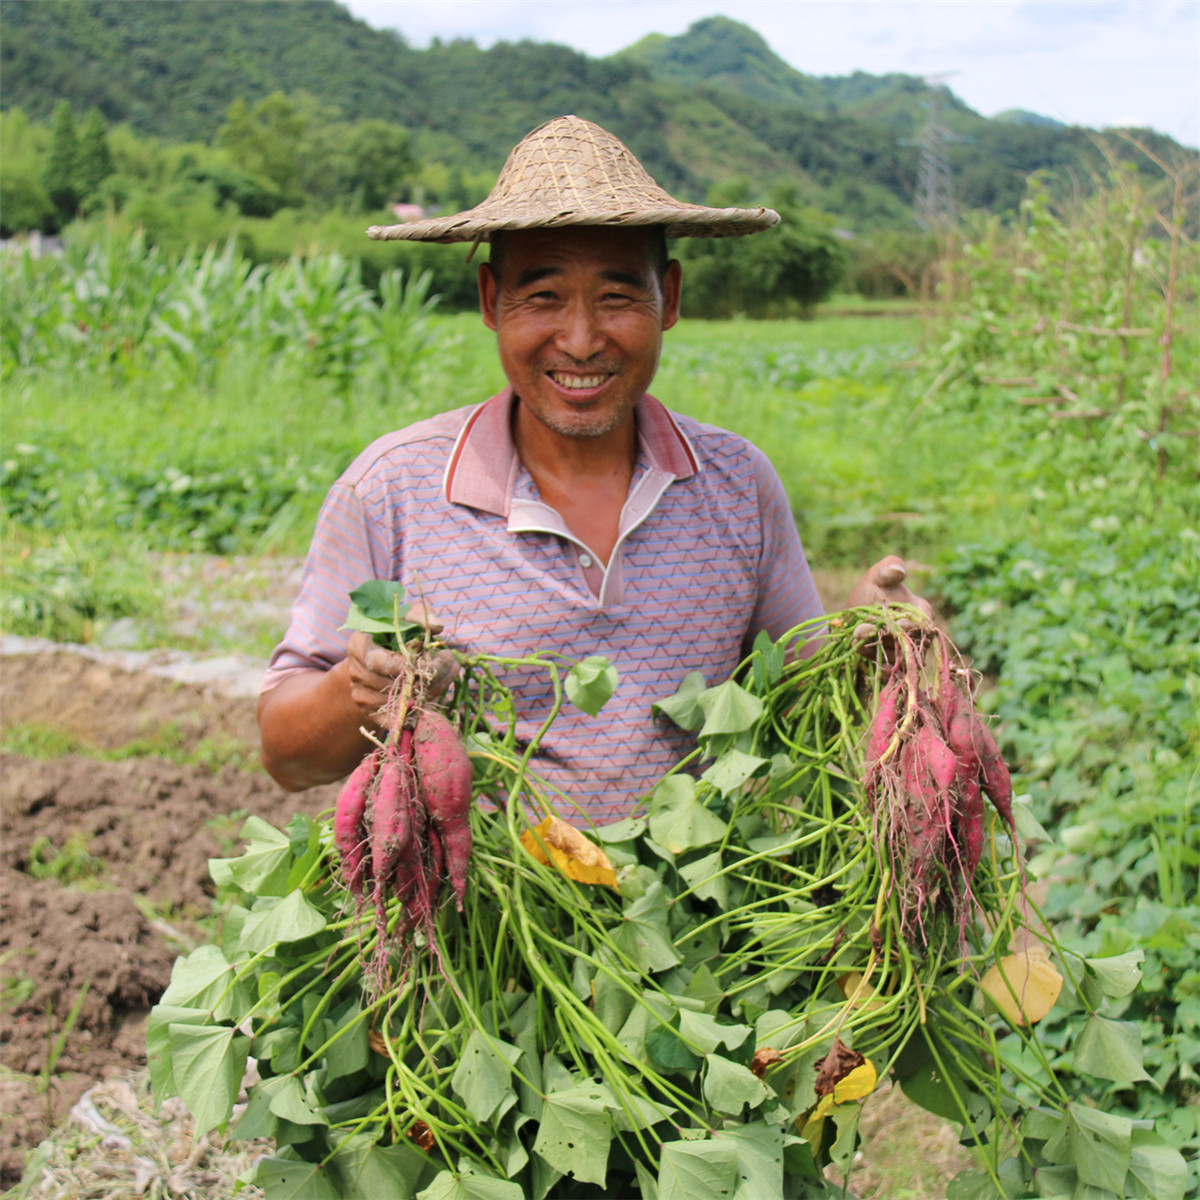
(290, 1179)
(644, 935)
(728, 708)
(972, 1185)
(669, 1050)
(1110, 1050)
(209, 1062)
(706, 1033)
(1158, 1170)
(257, 1120)
(704, 878)
(1098, 1144)
(733, 769)
(705, 1170)
(682, 707)
(160, 1055)
(647, 1184)
(469, 1186)
(678, 821)
(288, 920)
(576, 1131)
(377, 607)
(368, 1171)
(591, 683)
(263, 869)
(769, 660)
(845, 1120)
(760, 1153)
(483, 1077)
(204, 979)
(378, 599)
(1029, 828)
(290, 1103)
(728, 1087)
(621, 831)
(1116, 976)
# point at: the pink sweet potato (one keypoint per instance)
(997, 783)
(390, 822)
(444, 771)
(349, 825)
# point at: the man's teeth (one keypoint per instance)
(578, 382)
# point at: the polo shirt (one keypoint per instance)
(707, 556)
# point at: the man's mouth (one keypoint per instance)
(579, 383)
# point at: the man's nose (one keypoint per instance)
(580, 335)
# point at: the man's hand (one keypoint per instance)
(312, 722)
(884, 584)
(372, 669)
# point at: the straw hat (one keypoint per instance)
(571, 172)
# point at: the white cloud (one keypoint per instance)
(1082, 62)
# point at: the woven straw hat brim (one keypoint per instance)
(571, 172)
(476, 226)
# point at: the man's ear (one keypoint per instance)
(672, 286)
(488, 289)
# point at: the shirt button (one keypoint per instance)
(585, 561)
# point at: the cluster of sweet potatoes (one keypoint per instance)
(402, 822)
(930, 760)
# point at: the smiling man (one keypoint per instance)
(571, 512)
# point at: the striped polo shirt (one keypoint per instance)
(707, 556)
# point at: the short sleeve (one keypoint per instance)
(347, 549)
(787, 595)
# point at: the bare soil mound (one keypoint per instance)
(105, 707)
(103, 867)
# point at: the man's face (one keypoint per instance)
(579, 316)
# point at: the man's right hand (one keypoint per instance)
(312, 722)
(372, 670)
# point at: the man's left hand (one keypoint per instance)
(884, 583)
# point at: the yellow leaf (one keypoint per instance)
(1023, 986)
(859, 996)
(813, 1127)
(859, 1084)
(554, 841)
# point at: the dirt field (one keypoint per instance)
(122, 850)
(103, 876)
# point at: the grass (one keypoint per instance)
(34, 739)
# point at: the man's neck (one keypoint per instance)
(585, 479)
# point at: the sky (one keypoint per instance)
(1098, 63)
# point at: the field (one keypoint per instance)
(170, 430)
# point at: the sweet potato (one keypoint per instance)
(444, 771)
(349, 824)
(997, 783)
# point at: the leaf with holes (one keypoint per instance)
(576, 1131)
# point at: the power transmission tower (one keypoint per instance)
(933, 205)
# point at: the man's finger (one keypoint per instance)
(890, 572)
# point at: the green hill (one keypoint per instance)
(712, 110)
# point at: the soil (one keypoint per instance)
(103, 872)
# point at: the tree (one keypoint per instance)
(381, 161)
(94, 162)
(266, 140)
(60, 177)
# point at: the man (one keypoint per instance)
(569, 513)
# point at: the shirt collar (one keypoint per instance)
(483, 465)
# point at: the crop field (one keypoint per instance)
(171, 426)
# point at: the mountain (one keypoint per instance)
(711, 111)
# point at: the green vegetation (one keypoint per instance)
(234, 90)
(72, 864)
